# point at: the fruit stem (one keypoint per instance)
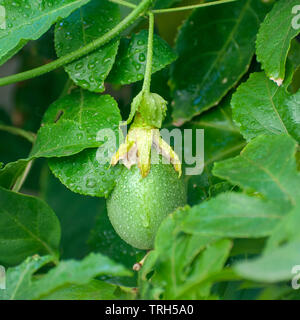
(92, 46)
(137, 266)
(148, 72)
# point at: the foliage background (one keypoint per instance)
(238, 238)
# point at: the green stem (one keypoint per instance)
(30, 136)
(92, 46)
(21, 179)
(124, 3)
(148, 72)
(194, 6)
(67, 88)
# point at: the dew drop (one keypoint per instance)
(78, 65)
(91, 66)
(84, 84)
(90, 183)
(137, 66)
(142, 57)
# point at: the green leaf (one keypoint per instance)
(215, 47)
(105, 240)
(259, 106)
(221, 140)
(232, 215)
(29, 21)
(22, 285)
(266, 165)
(94, 290)
(274, 266)
(83, 26)
(18, 278)
(76, 272)
(188, 248)
(83, 174)
(180, 263)
(220, 187)
(11, 172)
(71, 124)
(292, 66)
(274, 39)
(77, 215)
(132, 56)
(286, 231)
(27, 226)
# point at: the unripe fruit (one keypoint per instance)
(137, 205)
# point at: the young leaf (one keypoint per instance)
(132, 56)
(267, 165)
(27, 226)
(76, 272)
(71, 124)
(181, 263)
(232, 215)
(22, 285)
(188, 244)
(79, 29)
(215, 47)
(259, 106)
(274, 39)
(18, 278)
(274, 266)
(29, 21)
(83, 174)
(94, 290)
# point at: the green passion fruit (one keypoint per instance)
(137, 205)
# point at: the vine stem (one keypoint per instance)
(124, 3)
(148, 71)
(126, 22)
(30, 136)
(193, 6)
(176, 9)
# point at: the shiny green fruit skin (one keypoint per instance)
(137, 205)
